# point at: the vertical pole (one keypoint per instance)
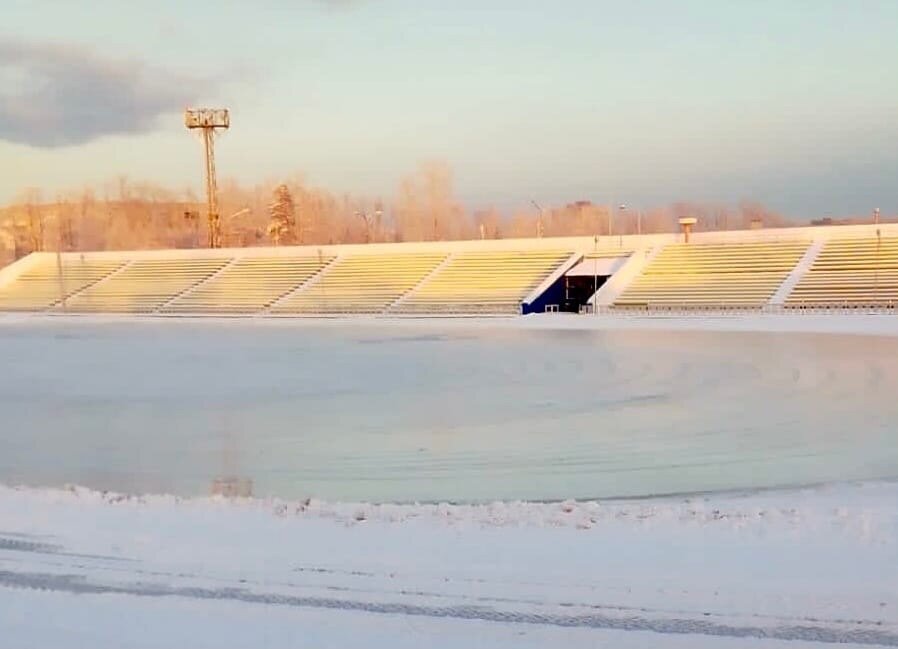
(59, 272)
(876, 267)
(59, 276)
(611, 218)
(211, 187)
(595, 275)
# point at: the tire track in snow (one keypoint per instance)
(80, 585)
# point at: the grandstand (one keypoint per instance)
(248, 285)
(361, 284)
(860, 272)
(794, 268)
(143, 285)
(488, 282)
(703, 275)
(47, 281)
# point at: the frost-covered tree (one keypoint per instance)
(282, 225)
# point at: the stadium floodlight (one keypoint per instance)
(207, 120)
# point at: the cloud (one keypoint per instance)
(54, 96)
(339, 4)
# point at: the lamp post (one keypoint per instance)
(366, 219)
(595, 274)
(622, 208)
(237, 214)
(539, 219)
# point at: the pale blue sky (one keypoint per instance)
(793, 103)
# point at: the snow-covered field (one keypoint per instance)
(653, 407)
(877, 324)
(783, 568)
(443, 410)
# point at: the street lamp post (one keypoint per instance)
(366, 219)
(595, 274)
(539, 219)
(237, 214)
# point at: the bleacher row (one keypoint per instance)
(857, 272)
(416, 283)
(849, 273)
(734, 275)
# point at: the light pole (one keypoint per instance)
(366, 218)
(595, 274)
(235, 215)
(638, 219)
(539, 219)
(207, 120)
(623, 208)
(876, 216)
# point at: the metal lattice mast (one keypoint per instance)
(209, 119)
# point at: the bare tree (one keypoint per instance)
(131, 214)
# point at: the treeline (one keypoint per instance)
(132, 215)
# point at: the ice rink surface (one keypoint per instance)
(532, 408)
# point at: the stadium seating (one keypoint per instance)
(43, 286)
(248, 285)
(145, 284)
(851, 267)
(728, 275)
(361, 283)
(852, 273)
(489, 282)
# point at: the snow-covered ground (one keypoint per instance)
(791, 568)
(864, 323)
(795, 568)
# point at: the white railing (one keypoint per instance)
(887, 307)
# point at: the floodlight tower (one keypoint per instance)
(209, 119)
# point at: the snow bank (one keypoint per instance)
(805, 567)
(868, 510)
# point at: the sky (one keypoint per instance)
(793, 103)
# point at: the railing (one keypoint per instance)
(888, 307)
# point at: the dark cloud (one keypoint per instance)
(53, 96)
